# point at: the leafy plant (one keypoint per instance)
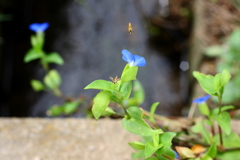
(52, 80)
(155, 144)
(229, 54)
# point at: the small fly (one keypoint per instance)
(115, 80)
(130, 29)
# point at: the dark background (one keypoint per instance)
(90, 35)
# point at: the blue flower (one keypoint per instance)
(39, 27)
(133, 60)
(201, 99)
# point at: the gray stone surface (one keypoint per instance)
(64, 139)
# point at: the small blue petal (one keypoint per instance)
(201, 99)
(139, 61)
(176, 155)
(127, 56)
(39, 27)
(133, 60)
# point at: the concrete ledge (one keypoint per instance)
(64, 139)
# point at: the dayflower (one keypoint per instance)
(133, 60)
(201, 99)
(39, 27)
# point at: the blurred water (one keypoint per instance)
(90, 37)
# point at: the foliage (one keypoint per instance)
(52, 80)
(127, 92)
(229, 54)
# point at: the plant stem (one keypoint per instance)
(219, 128)
(125, 110)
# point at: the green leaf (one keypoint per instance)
(226, 76)
(100, 103)
(150, 149)
(70, 107)
(52, 80)
(223, 108)
(138, 92)
(224, 121)
(108, 112)
(55, 111)
(54, 57)
(129, 75)
(37, 41)
(126, 90)
(136, 124)
(37, 85)
(152, 111)
(204, 109)
(32, 55)
(151, 158)
(99, 84)
(199, 128)
(156, 140)
(217, 81)
(214, 51)
(212, 151)
(166, 150)
(166, 138)
(137, 145)
(138, 154)
(206, 82)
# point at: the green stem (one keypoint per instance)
(219, 128)
(125, 110)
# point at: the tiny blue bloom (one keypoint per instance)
(176, 155)
(133, 60)
(201, 99)
(39, 27)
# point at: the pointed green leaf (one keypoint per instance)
(199, 128)
(203, 107)
(138, 92)
(217, 81)
(152, 112)
(126, 90)
(226, 76)
(99, 84)
(224, 108)
(108, 112)
(224, 121)
(166, 150)
(137, 145)
(54, 57)
(32, 55)
(166, 138)
(212, 151)
(138, 154)
(55, 111)
(206, 82)
(52, 80)
(37, 40)
(150, 149)
(100, 103)
(129, 75)
(70, 107)
(151, 158)
(156, 140)
(136, 124)
(37, 85)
